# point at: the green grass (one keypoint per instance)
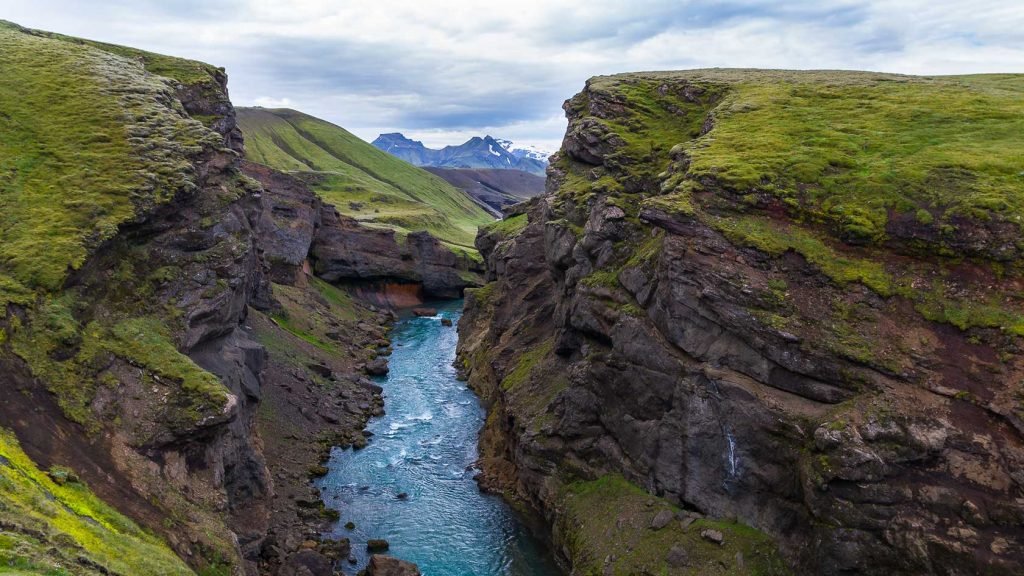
(86, 142)
(527, 361)
(361, 181)
(73, 522)
(843, 148)
(508, 227)
(847, 148)
(818, 163)
(776, 238)
(610, 518)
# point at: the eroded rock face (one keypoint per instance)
(344, 251)
(190, 465)
(656, 344)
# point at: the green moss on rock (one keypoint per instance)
(507, 227)
(73, 168)
(528, 360)
(50, 525)
(607, 530)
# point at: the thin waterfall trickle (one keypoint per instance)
(732, 464)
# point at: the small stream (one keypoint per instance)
(424, 447)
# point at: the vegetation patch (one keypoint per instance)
(74, 168)
(361, 181)
(776, 238)
(73, 361)
(847, 148)
(60, 522)
(146, 342)
(526, 363)
(607, 530)
(507, 227)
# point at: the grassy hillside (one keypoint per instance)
(856, 171)
(360, 180)
(65, 529)
(77, 158)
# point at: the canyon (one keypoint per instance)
(759, 322)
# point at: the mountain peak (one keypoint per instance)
(396, 139)
(477, 152)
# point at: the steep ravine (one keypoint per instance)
(413, 483)
(186, 349)
(688, 367)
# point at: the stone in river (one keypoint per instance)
(377, 545)
(388, 566)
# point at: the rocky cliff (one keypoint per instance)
(176, 361)
(761, 311)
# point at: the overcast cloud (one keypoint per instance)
(444, 71)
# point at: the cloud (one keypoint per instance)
(455, 68)
(271, 102)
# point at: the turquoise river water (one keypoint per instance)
(425, 446)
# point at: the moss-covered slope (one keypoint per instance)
(65, 529)
(123, 246)
(860, 173)
(788, 298)
(361, 181)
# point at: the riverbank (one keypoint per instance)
(314, 396)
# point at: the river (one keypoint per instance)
(425, 446)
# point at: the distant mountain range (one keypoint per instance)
(486, 152)
(493, 189)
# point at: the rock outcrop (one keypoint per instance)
(189, 367)
(344, 251)
(301, 231)
(734, 354)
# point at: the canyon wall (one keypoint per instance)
(177, 328)
(744, 338)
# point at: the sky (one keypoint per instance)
(443, 71)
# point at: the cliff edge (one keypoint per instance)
(777, 311)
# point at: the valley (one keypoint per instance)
(743, 321)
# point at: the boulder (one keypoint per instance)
(377, 545)
(425, 311)
(713, 536)
(387, 566)
(661, 519)
(378, 367)
(306, 563)
(677, 557)
(446, 321)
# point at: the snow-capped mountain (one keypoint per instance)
(486, 152)
(524, 151)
